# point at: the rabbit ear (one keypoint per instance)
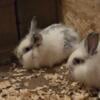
(91, 43)
(33, 24)
(37, 38)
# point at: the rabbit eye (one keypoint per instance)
(27, 49)
(77, 61)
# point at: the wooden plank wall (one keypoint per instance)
(44, 10)
(8, 32)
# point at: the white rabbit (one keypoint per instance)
(84, 62)
(46, 47)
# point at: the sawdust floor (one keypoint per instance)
(17, 83)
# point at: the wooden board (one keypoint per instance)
(44, 10)
(8, 32)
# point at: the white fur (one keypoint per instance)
(52, 49)
(89, 71)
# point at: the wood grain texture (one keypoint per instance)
(8, 32)
(44, 10)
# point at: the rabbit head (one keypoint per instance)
(25, 49)
(84, 62)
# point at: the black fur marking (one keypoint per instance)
(68, 39)
(77, 61)
(27, 49)
(37, 38)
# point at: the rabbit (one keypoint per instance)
(84, 62)
(46, 47)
